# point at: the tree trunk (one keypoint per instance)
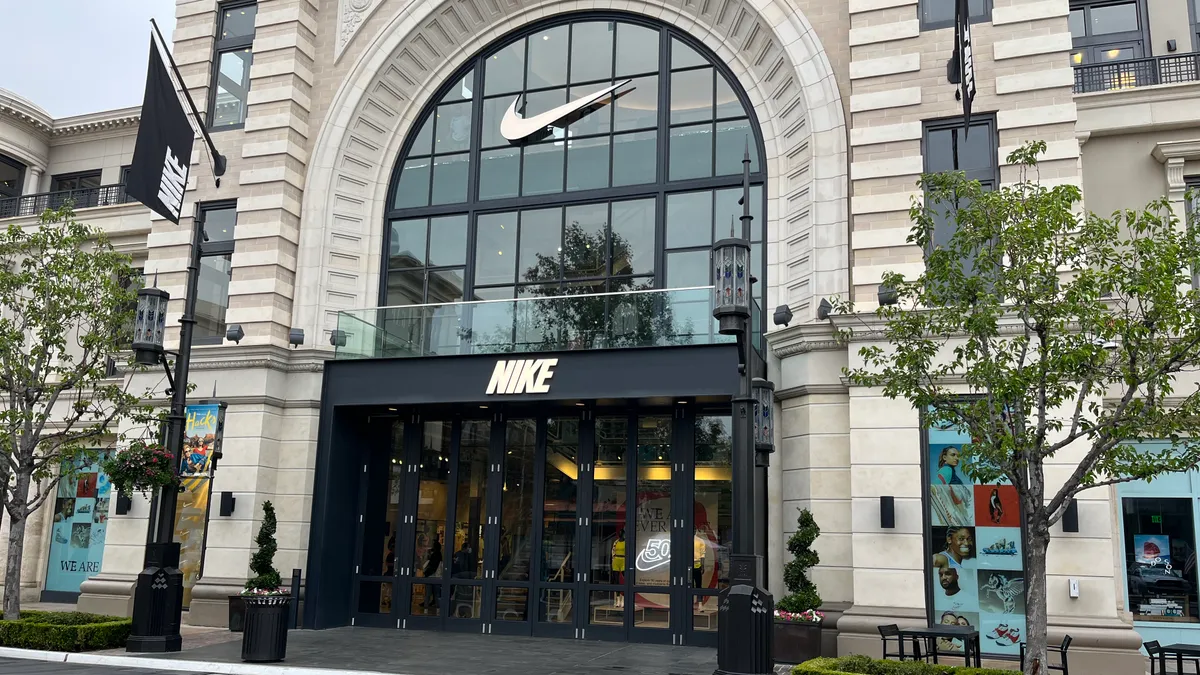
(16, 548)
(1035, 599)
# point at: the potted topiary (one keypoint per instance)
(264, 634)
(797, 621)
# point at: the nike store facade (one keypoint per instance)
(532, 433)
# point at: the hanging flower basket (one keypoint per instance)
(142, 466)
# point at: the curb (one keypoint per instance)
(157, 663)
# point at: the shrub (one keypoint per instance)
(266, 579)
(802, 593)
(65, 631)
(865, 665)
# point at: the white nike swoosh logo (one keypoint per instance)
(515, 128)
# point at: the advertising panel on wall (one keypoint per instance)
(975, 573)
(80, 522)
(201, 443)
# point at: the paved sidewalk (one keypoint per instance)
(25, 667)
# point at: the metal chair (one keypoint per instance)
(892, 631)
(1061, 650)
(1154, 650)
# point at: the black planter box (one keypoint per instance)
(797, 641)
(264, 637)
(237, 613)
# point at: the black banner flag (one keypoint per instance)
(966, 63)
(162, 155)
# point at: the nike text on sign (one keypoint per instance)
(515, 128)
(522, 376)
(172, 183)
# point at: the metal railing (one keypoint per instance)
(83, 198)
(1118, 75)
(649, 318)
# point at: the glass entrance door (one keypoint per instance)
(609, 526)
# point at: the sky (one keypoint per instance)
(71, 57)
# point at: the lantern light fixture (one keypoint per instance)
(731, 284)
(763, 392)
(149, 325)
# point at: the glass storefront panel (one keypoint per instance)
(561, 508)
(652, 524)
(1160, 559)
(512, 604)
(610, 554)
(374, 597)
(605, 608)
(432, 493)
(712, 518)
(556, 605)
(471, 501)
(516, 501)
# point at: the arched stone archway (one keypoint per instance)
(768, 45)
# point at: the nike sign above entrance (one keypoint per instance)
(516, 128)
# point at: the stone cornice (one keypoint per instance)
(812, 389)
(270, 357)
(1164, 151)
(17, 108)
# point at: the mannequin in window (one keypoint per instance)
(699, 552)
(618, 567)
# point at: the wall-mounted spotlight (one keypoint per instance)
(888, 295)
(887, 512)
(124, 504)
(234, 333)
(824, 309)
(1070, 519)
(296, 337)
(337, 338)
(783, 315)
(228, 502)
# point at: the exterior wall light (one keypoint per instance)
(337, 338)
(764, 420)
(150, 323)
(888, 295)
(234, 333)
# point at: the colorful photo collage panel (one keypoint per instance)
(80, 521)
(974, 537)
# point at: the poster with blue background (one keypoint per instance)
(976, 557)
(80, 521)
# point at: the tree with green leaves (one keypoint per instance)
(802, 592)
(1048, 337)
(66, 307)
(262, 563)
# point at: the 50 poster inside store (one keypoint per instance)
(975, 575)
(80, 523)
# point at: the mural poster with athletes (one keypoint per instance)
(975, 549)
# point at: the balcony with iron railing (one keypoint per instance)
(81, 198)
(648, 318)
(1133, 73)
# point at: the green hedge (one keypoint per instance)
(65, 631)
(864, 665)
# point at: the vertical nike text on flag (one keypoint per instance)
(162, 154)
(966, 62)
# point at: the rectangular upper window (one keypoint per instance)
(232, 58)
(12, 175)
(1103, 31)
(940, 13)
(75, 181)
(947, 147)
(216, 269)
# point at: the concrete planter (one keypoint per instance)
(796, 641)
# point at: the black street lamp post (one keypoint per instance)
(158, 593)
(746, 610)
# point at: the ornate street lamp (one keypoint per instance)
(149, 324)
(745, 630)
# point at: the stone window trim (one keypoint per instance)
(984, 17)
(812, 106)
(221, 47)
(1138, 39)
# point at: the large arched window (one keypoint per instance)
(627, 192)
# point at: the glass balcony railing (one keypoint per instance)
(651, 318)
